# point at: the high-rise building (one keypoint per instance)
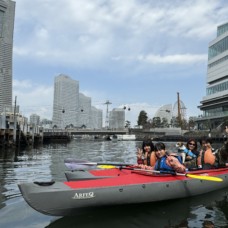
(96, 118)
(84, 111)
(34, 119)
(215, 104)
(66, 102)
(71, 108)
(117, 118)
(7, 13)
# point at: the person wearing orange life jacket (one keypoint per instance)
(146, 155)
(206, 158)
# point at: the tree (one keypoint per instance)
(157, 122)
(191, 123)
(142, 119)
(164, 122)
(175, 122)
(127, 124)
(184, 124)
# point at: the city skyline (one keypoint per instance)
(133, 53)
(72, 108)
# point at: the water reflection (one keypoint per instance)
(191, 212)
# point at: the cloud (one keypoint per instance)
(33, 98)
(168, 59)
(89, 33)
(25, 84)
(118, 50)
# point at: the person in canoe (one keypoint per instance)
(210, 159)
(167, 162)
(164, 161)
(206, 158)
(146, 155)
(191, 154)
(221, 155)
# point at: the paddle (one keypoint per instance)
(74, 164)
(201, 177)
(106, 166)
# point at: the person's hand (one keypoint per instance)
(139, 153)
(188, 157)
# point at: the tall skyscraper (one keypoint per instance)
(117, 118)
(96, 118)
(66, 102)
(215, 104)
(7, 14)
(84, 111)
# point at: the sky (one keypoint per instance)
(134, 53)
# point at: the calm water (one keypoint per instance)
(46, 163)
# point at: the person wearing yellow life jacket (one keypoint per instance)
(206, 158)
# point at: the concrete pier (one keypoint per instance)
(15, 131)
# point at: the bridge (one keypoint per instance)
(72, 131)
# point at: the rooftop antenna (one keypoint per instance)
(107, 116)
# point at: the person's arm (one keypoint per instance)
(140, 157)
(175, 164)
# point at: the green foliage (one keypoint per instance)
(164, 122)
(157, 122)
(142, 118)
(127, 124)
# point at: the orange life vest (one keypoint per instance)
(206, 157)
(153, 159)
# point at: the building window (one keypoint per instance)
(218, 48)
(214, 112)
(1, 22)
(217, 88)
(218, 62)
(222, 29)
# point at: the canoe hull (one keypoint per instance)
(63, 198)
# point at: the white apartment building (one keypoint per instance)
(66, 102)
(7, 14)
(84, 111)
(96, 118)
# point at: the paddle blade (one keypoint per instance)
(106, 166)
(209, 178)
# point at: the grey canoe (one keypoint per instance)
(65, 198)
